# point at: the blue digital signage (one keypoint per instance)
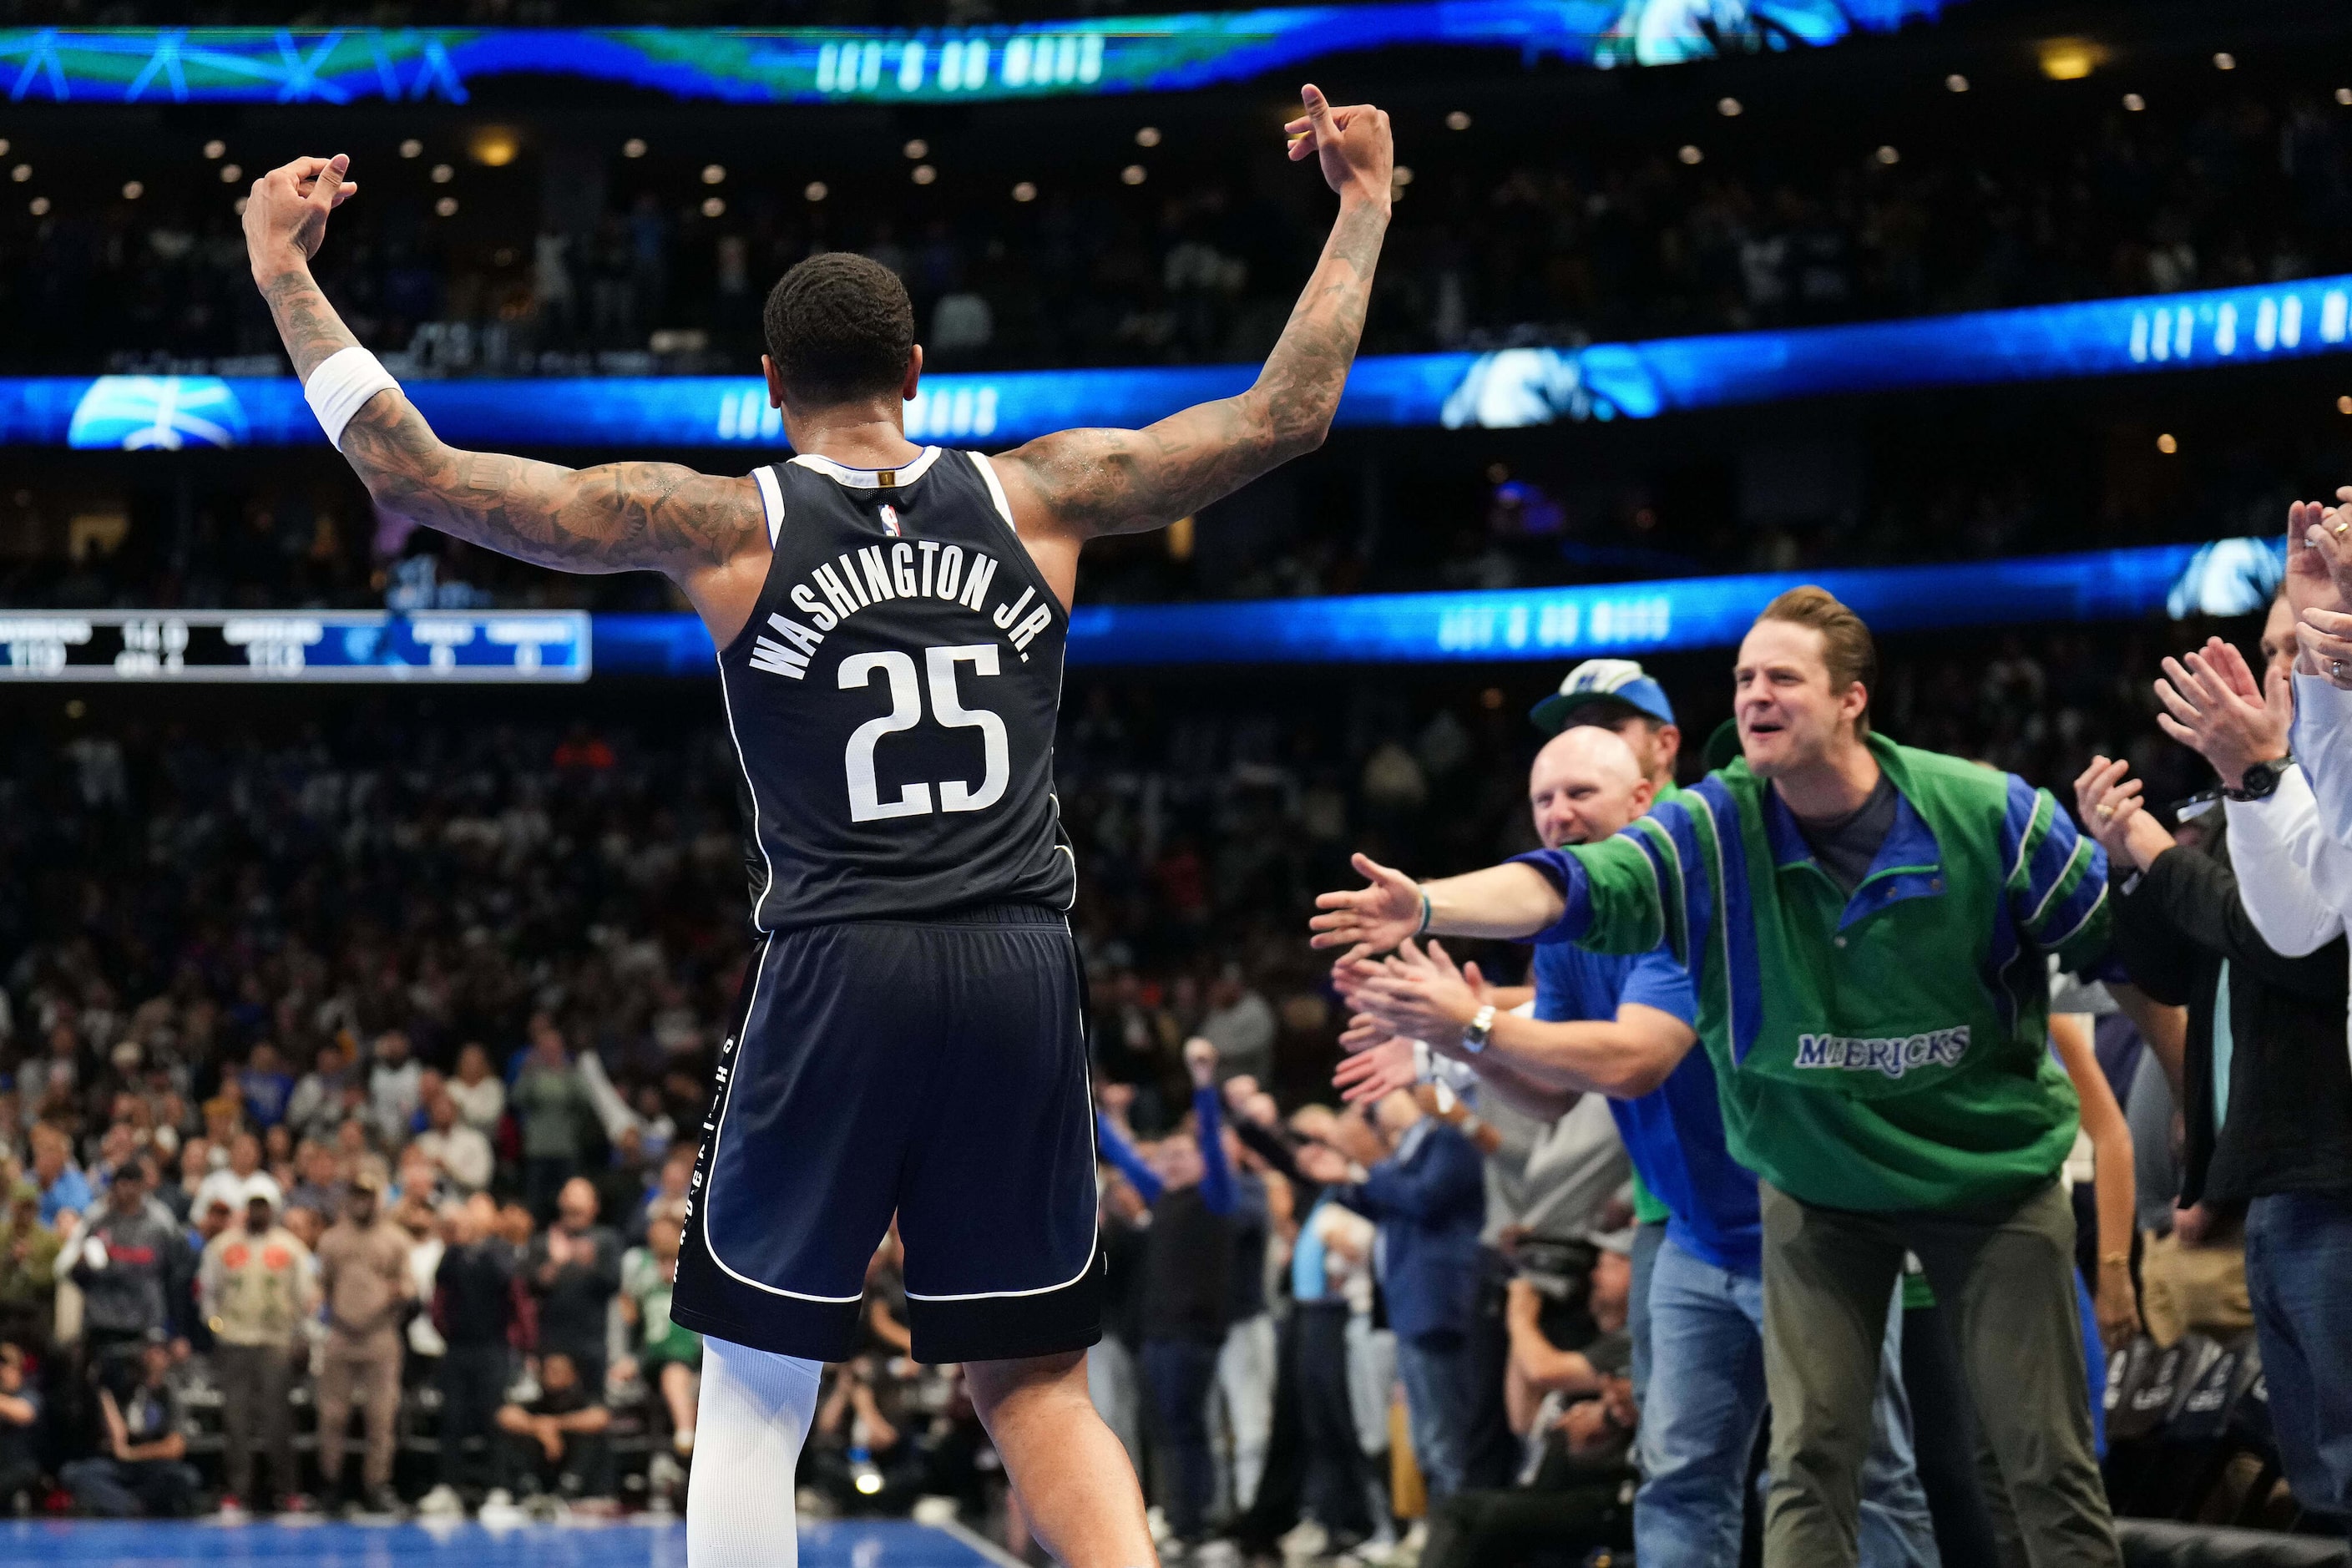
(2227, 577)
(1508, 388)
(950, 65)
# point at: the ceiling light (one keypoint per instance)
(1888, 155)
(4, 146)
(412, 148)
(494, 146)
(1730, 107)
(713, 207)
(231, 174)
(21, 172)
(1458, 120)
(925, 174)
(634, 147)
(214, 149)
(2343, 95)
(2069, 59)
(2133, 102)
(714, 173)
(1132, 175)
(1148, 137)
(815, 191)
(237, 207)
(40, 206)
(2166, 445)
(1024, 192)
(2225, 61)
(132, 190)
(2343, 404)
(1402, 174)
(917, 150)
(1956, 83)
(1690, 154)
(443, 174)
(447, 206)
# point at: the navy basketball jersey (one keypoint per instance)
(893, 699)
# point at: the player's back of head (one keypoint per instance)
(839, 327)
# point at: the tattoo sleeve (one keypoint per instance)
(619, 517)
(1128, 481)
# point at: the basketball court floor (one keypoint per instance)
(88, 1543)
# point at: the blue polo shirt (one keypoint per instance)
(1674, 1134)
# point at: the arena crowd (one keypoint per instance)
(354, 1071)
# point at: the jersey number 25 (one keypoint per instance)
(866, 803)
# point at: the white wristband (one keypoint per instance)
(341, 387)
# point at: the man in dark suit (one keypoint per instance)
(1428, 1199)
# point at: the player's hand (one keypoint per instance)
(1352, 144)
(1371, 920)
(1201, 1061)
(286, 212)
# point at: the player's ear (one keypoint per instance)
(914, 374)
(775, 382)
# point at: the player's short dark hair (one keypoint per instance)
(839, 327)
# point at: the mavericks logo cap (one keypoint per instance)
(1617, 684)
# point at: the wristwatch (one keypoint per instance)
(2261, 780)
(1475, 1033)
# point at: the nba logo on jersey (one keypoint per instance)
(890, 520)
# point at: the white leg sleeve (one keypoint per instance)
(754, 1415)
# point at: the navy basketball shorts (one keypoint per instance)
(932, 1069)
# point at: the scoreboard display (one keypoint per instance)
(294, 645)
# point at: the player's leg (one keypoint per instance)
(754, 1414)
(1076, 1487)
(997, 1210)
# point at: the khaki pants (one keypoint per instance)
(2008, 1280)
(369, 1371)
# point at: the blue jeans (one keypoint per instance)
(1435, 1404)
(1706, 1403)
(1647, 1239)
(2299, 1275)
(1181, 1373)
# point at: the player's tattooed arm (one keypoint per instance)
(1089, 482)
(619, 517)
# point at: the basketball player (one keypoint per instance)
(890, 622)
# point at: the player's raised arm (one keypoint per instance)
(619, 517)
(1067, 488)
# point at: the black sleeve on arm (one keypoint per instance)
(2197, 895)
(1271, 1147)
(2155, 953)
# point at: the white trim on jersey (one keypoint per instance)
(995, 489)
(869, 479)
(719, 1135)
(1094, 1249)
(771, 501)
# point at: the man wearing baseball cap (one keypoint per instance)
(1617, 694)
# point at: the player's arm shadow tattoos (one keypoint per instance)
(617, 517)
(1130, 481)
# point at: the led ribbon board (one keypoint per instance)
(2229, 577)
(296, 646)
(1503, 390)
(820, 64)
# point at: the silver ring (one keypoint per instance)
(2336, 668)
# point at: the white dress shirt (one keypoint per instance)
(2295, 875)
